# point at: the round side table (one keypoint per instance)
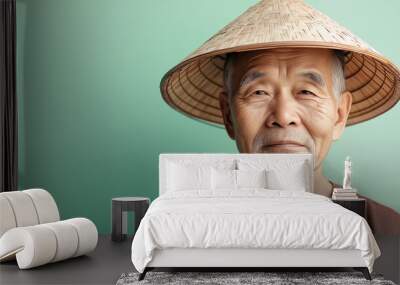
(120, 207)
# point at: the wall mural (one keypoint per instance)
(284, 77)
(281, 77)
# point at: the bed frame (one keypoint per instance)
(248, 259)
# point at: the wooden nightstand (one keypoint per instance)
(356, 205)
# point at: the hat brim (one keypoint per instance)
(193, 86)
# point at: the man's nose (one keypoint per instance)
(283, 112)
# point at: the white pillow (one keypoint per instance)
(223, 179)
(236, 179)
(205, 162)
(251, 178)
(184, 177)
(294, 179)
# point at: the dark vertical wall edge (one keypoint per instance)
(8, 98)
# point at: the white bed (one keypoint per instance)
(192, 224)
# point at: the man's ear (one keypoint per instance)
(226, 113)
(343, 111)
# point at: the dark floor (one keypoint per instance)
(103, 266)
(110, 259)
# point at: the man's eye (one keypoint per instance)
(260, 92)
(307, 92)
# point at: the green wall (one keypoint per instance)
(92, 121)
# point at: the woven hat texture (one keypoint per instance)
(193, 86)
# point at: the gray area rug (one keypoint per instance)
(225, 278)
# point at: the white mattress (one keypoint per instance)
(252, 218)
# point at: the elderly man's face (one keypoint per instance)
(282, 100)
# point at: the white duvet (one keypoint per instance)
(251, 218)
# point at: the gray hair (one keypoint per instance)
(338, 79)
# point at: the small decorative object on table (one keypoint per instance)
(347, 196)
(347, 192)
(120, 207)
(347, 173)
(344, 194)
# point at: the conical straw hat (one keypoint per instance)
(193, 86)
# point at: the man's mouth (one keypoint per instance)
(284, 146)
